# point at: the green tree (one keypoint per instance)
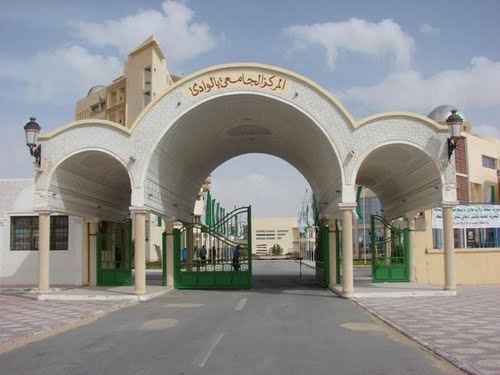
(276, 250)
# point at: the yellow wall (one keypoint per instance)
(472, 266)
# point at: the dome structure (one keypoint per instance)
(95, 89)
(441, 113)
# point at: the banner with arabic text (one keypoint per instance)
(473, 216)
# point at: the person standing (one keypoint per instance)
(203, 255)
(213, 254)
(236, 258)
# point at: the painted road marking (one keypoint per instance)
(181, 305)
(211, 346)
(158, 324)
(358, 326)
(240, 304)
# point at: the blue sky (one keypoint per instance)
(372, 55)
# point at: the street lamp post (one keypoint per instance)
(454, 122)
(32, 129)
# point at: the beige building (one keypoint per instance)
(268, 232)
(145, 75)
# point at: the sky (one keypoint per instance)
(373, 56)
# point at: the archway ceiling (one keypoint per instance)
(404, 178)
(92, 183)
(229, 126)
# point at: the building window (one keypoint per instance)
(59, 233)
(147, 77)
(146, 98)
(24, 233)
(489, 162)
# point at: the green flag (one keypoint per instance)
(358, 206)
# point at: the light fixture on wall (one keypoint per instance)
(454, 122)
(32, 129)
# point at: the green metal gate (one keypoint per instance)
(114, 254)
(221, 268)
(322, 256)
(338, 247)
(389, 251)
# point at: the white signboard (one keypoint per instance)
(473, 216)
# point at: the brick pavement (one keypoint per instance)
(22, 316)
(464, 329)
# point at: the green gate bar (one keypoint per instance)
(114, 255)
(389, 247)
(222, 267)
(322, 256)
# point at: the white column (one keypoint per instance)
(85, 253)
(93, 229)
(412, 256)
(140, 250)
(355, 226)
(347, 266)
(169, 228)
(43, 252)
(449, 246)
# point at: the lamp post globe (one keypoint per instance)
(454, 122)
(32, 129)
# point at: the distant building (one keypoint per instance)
(145, 75)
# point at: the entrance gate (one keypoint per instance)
(222, 268)
(389, 251)
(322, 256)
(114, 254)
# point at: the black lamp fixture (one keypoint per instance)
(454, 122)
(32, 129)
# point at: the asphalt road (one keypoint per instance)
(284, 325)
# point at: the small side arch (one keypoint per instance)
(90, 182)
(403, 175)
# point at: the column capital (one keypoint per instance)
(345, 206)
(169, 227)
(139, 210)
(452, 204)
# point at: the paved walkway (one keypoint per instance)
(464, 329)
(22, 317)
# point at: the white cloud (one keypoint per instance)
(429, 29)
(268, 195)
(62, 73)
(486, 129)
(356, 35)
(71, 70)
(180, 36)
(475, 86)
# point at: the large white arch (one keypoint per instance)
(224, 111)
(272, 99)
